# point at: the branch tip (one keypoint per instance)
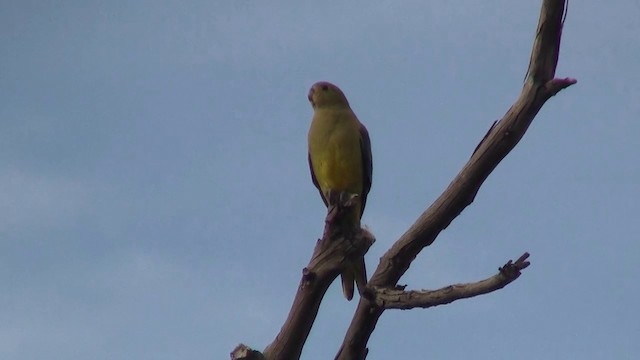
(512, 270)
(554, 86)
(243, 352)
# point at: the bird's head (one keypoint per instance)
(325, 94)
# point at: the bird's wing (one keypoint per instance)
(315, 181)
(367, 164)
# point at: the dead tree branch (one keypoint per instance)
(338, 246)
(400, 299)
(243, 352)
(539, 86)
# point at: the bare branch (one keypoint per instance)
(546, 46)
(243, 352)
(539, 86)
(554, 86)
(337, 248)
(388, 298)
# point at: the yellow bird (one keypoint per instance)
(340, 160)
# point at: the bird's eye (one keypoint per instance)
(325, 87)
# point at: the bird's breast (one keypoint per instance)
(336, 155)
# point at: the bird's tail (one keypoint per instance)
(357, 272)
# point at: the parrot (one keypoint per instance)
(340, 160)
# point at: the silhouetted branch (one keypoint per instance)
(539, 86)
(243, 352)
(393, 298)
(338, 247)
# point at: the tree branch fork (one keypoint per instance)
(339, 246)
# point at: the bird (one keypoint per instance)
(340, 161)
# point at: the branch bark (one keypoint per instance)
(243, 352)
(337, 248)
(503, 136)
(400, 299)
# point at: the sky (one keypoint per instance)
(156, 202)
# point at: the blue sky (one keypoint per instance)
(155, 200)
